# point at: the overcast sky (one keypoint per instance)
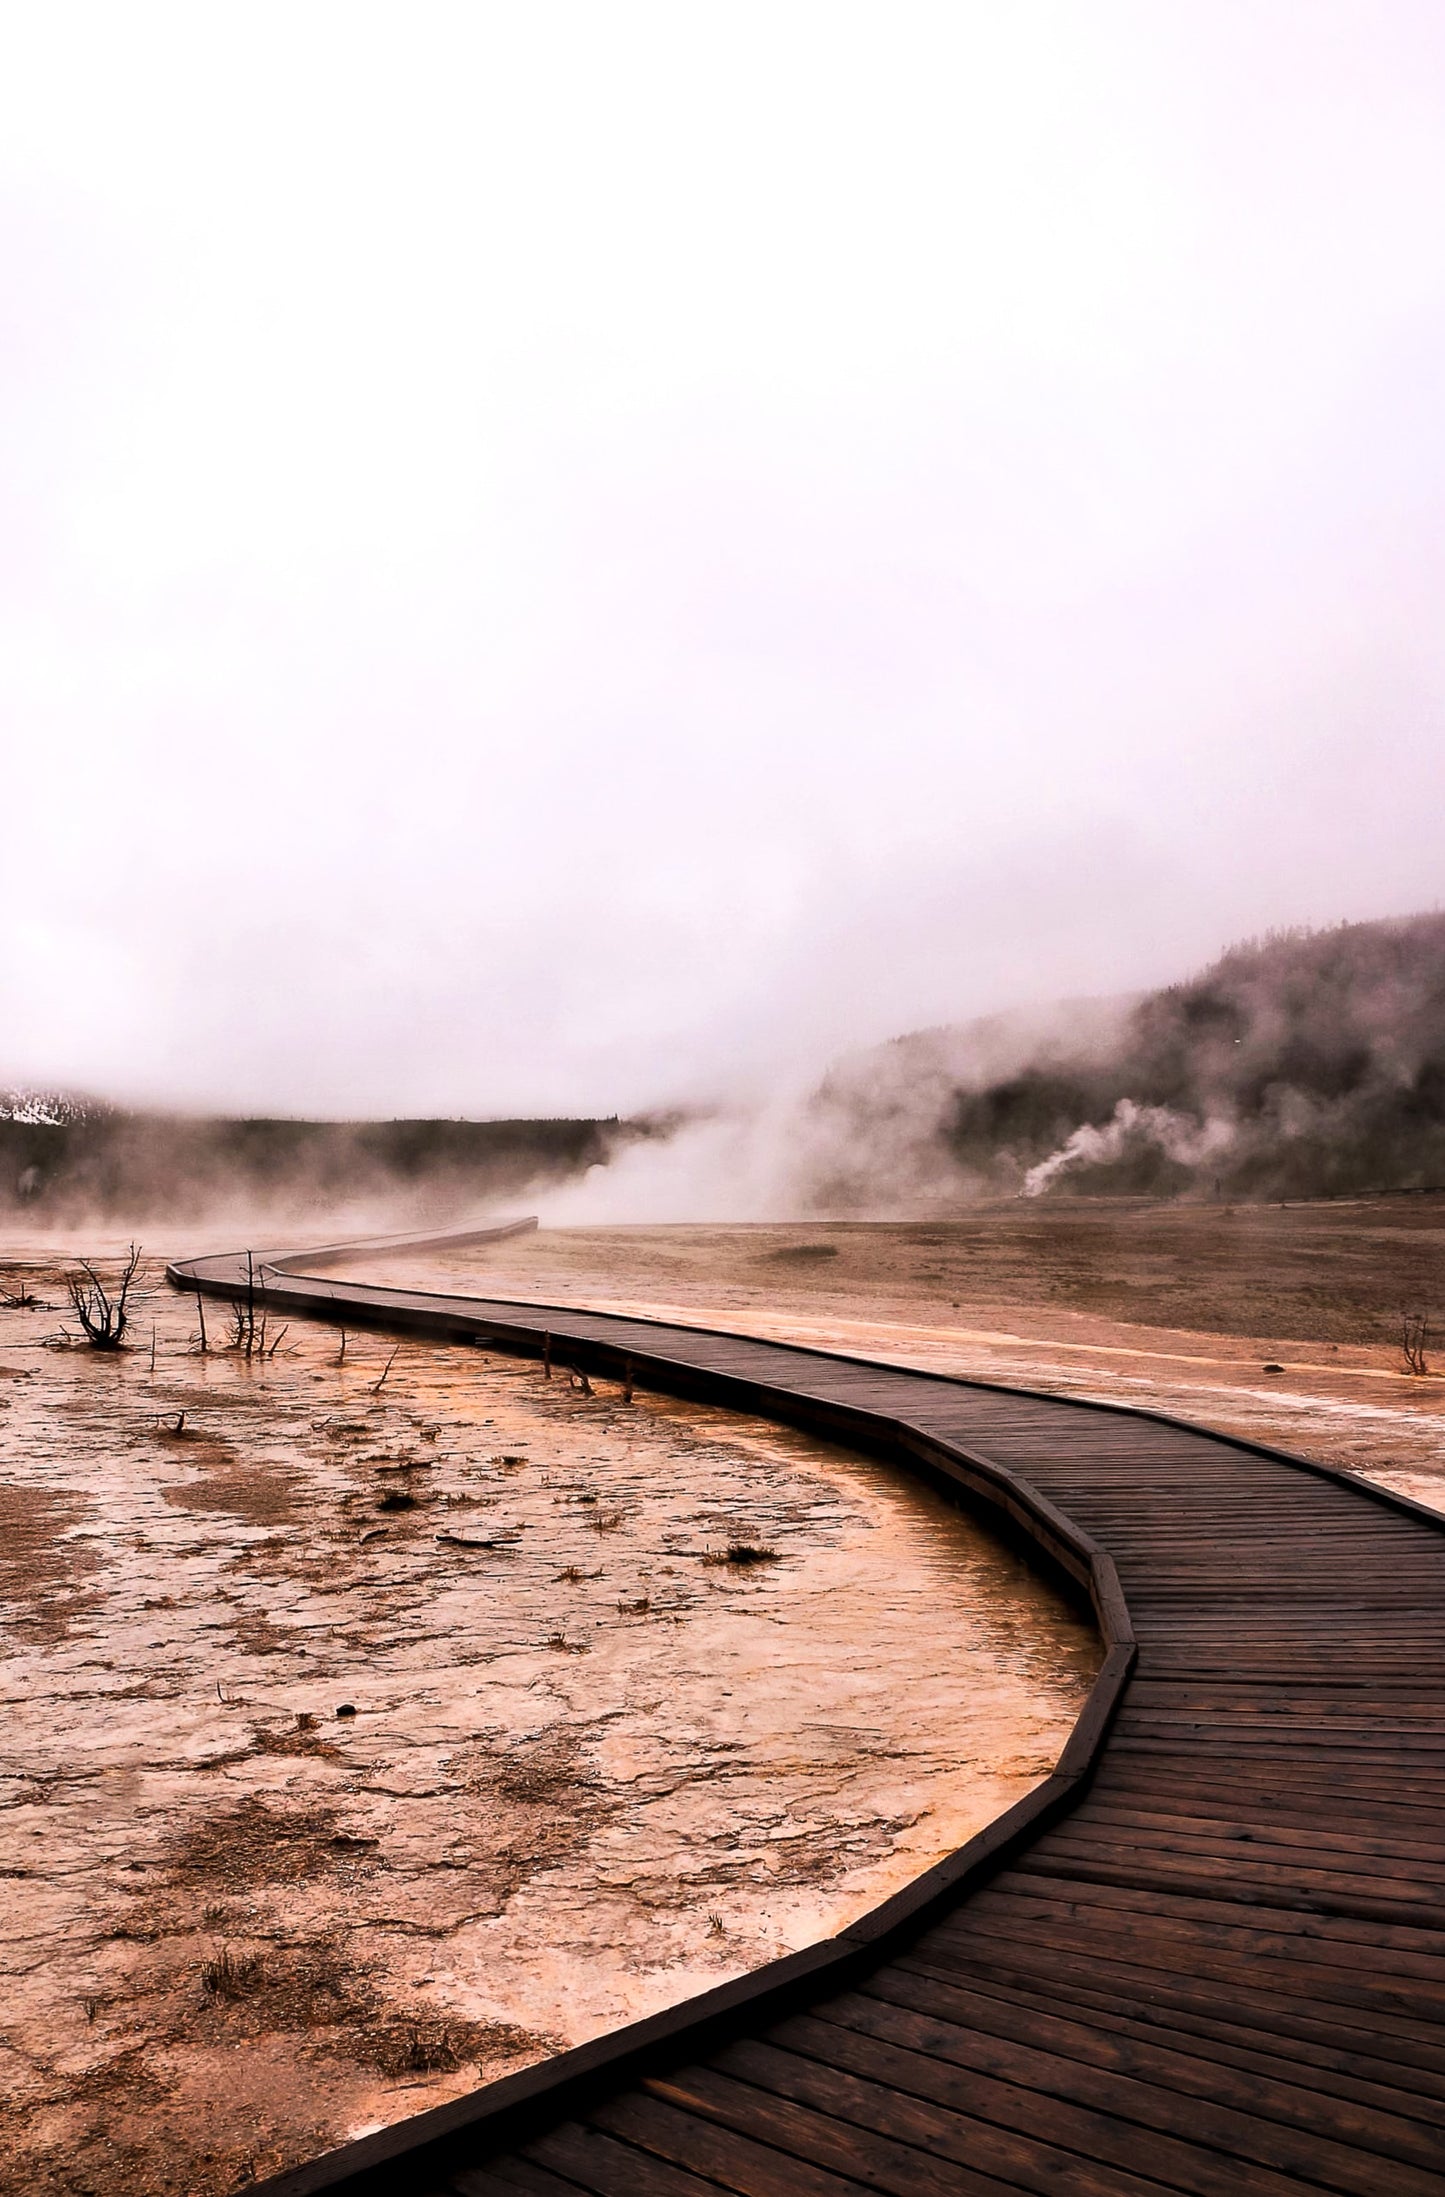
(555, 558)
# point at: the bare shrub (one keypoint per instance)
(103, 1313)
(247, 1327)
(1414, 1335)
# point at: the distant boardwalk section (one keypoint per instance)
(1207, 1955)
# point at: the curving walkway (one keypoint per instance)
(1207, 1955)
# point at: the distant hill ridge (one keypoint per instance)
(1305, 1063)
(64, 1159)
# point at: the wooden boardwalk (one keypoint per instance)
(1208, 1956)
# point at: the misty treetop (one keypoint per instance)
(1306, 1063)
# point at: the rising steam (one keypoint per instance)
(1301, 1065)
(1133, 1127)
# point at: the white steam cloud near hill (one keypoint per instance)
(1305, 1063)
(1190, 1143)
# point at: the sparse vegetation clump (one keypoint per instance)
(418, 2048)
(104, 1314)
(1414, 1336)
(248, 1334)
(421, 2047)
(228, 1975)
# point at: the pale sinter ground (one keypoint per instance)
(592, 1769)
(1179, 1308)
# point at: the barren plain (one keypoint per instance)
(1281, 1323)
(377, 1724)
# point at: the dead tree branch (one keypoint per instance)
(103, 1313)
(1414, 1335)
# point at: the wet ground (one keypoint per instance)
(375, 1724)
(1280, 1323)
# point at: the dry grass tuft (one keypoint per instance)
(252, 1843)
(418, 2049)
(227, 1975)
(422, 2046)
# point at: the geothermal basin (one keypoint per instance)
(381, 1719)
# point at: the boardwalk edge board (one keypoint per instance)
(417, 2154)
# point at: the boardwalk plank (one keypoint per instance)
(504, 2181)
(778, 2155)
(1398, 2039)
(893, 2140)
(968, 2117)
(1101, 2024)
(592, 2160)
(1157, 2086)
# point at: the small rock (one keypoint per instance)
(347, 1708)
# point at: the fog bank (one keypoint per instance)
(561, 563)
